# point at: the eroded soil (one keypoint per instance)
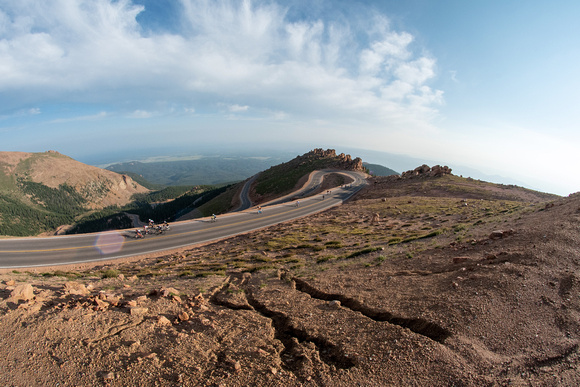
(445, 287)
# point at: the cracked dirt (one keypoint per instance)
(426, 295)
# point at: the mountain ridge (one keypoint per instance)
(42, 191)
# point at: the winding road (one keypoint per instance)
(78, 249)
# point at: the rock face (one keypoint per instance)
(424, 171)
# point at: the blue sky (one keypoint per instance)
(491, 85)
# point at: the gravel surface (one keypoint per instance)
(435, 290)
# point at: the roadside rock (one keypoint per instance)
(138, 311)
(499, 234)
(166, 292)
(334, 304)
(76, 288)
(101, 304)
(22, 292)
(163, 321)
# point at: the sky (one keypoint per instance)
(490, 85)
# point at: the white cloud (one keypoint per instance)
(384, 53)
(90, 117)
(22, 113)
(238, 108)
(243, 50)
(453, 75)
(141, 114)
(416, 72)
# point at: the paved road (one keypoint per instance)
(245, 201)
(74, 249)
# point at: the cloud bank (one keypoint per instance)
(252, 56)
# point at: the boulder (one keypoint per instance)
(166, 292)
(424, 170)
(498, 234)
(75, 288)
(138, 311)
(163, 321)
(335, 304)
(101, 304)
(22, 292)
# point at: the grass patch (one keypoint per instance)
(381, 259)
(417, 237)
(110, 273)
(325, 258)
(205, 274)
(334, 245)
(367, 250)
(394, 241)
(60, 273)
(260, 268)
(261, 258)
(148, 273)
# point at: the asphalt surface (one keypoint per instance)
(245, 201)
(76, 249)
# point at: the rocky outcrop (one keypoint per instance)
(424, 171)
(341, 161)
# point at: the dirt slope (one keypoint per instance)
(409, 284)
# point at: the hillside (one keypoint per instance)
(422, 279)
(279, 180)
(282, 179)
(41, 191)
(379, 170)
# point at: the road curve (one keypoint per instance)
(78, 249)
(245, 201)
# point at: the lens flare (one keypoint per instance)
(109, 243)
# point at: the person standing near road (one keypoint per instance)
(259, 209)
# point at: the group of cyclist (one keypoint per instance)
(152, 228)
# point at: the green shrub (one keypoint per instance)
(110, 273)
